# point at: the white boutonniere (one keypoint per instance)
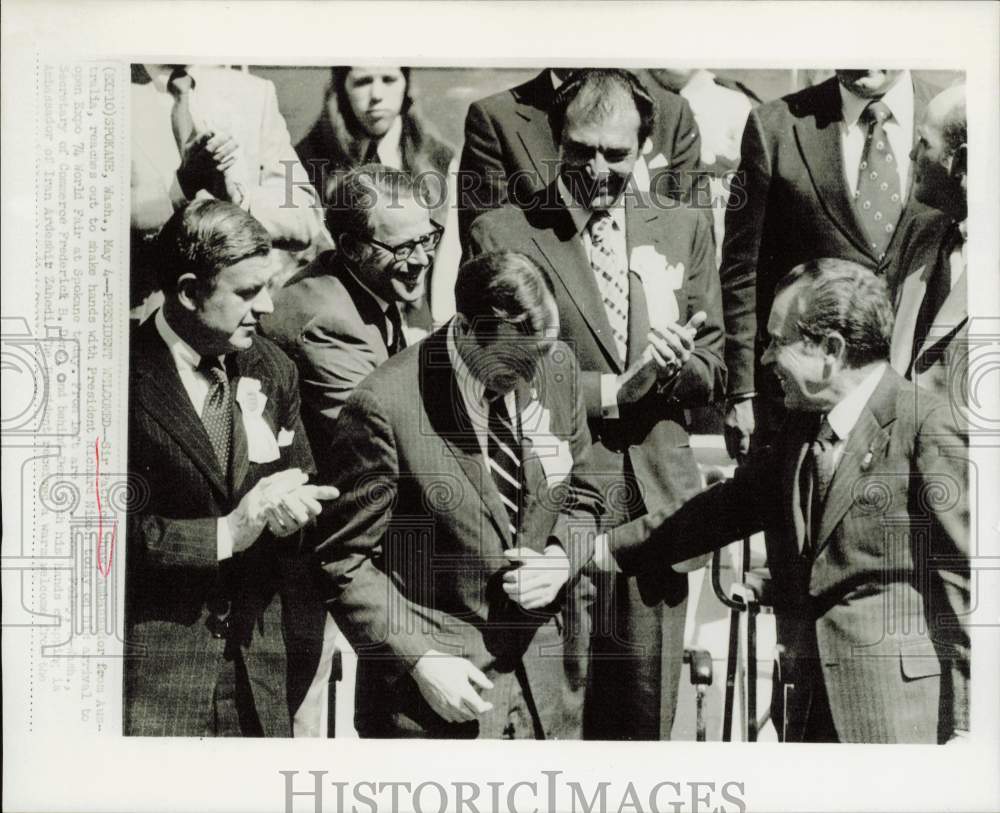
(660, 280)
(262, 445)
(552, 453)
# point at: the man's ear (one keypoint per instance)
(188, 291)
(834, 346)
(350, 247)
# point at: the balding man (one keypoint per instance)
(928, 344)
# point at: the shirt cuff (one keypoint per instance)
(609, 395)
(223, 540)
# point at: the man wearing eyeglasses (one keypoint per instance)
(339, 318)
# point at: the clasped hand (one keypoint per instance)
(283, 503)
(205, 160)
(669, 349)
(537, 578)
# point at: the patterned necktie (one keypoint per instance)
(398, 341)
(504, 454)
(180, 85)
(217, 413)
(878, 197)
(612, 280)
(817, 473)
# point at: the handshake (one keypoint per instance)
(283, 503)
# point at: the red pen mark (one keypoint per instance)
(103, 568)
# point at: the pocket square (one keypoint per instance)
(285, 437)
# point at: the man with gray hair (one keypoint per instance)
(929, 279)
(868, 529)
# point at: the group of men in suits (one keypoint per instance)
(480, 468)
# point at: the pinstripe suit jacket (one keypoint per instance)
(173, 575)
(414, 551)
(877, 611)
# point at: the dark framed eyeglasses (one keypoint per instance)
(401, 253)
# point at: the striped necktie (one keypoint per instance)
(612, 280)
(504, 454)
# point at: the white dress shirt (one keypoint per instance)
(616, 240)
(473, 392)
(196, 385)
(898, 129)
(845, 415)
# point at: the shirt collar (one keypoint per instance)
(845, 415)
(899, 100)
(184, 355)
(556, 81)
(963, 229)
(160, 74)
(381, 302)
(582, 215)
(389, 150)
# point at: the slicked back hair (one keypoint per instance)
(352, 198)
(595, 92)
(841, 296)
(205, 237)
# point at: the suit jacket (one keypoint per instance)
(789, 203)
(650, 438)
(246, 107)
(940, 362)
(414, 553)
(509, 152)
(174, 580)
(878, 610)
(336, 333)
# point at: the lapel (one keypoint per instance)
(870, 436)
(950, 317)
(643, 227)
(911, 296)
(558, 241)
(369, 310)
(533, 128)
(247, 364)
(818, 137)
(448, 417)
(159, 391)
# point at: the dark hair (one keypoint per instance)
(205, 237)
(596, 87)
(338, 88)
(353, 195)
(503, 286)
(842, 296)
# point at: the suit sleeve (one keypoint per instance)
(283, 199)
(482, 178)
(703, 379)
(734, 509)
(942, 461)
(740, 254)
(373, 615)
(577, 523)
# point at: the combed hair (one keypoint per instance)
(503, 286)
(954, 130)
(844, 297)
(205, 237)
(351, 198)
(596, 89)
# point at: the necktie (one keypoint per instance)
(817, 473)
(217, 413)
(878, 196)
(612, 280)
(371, 153)
(504, 455)
(180, 85)
(398, 341)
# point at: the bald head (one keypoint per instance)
(940, 154)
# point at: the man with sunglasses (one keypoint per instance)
(339, 318)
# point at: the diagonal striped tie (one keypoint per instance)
(504, 456)
(612, 280)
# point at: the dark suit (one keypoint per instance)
(509, 152)
(789, 203)
(644, 456)
(180, 679)
(336, 332)
(929, 343)
(874, 619)
(414, 557)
